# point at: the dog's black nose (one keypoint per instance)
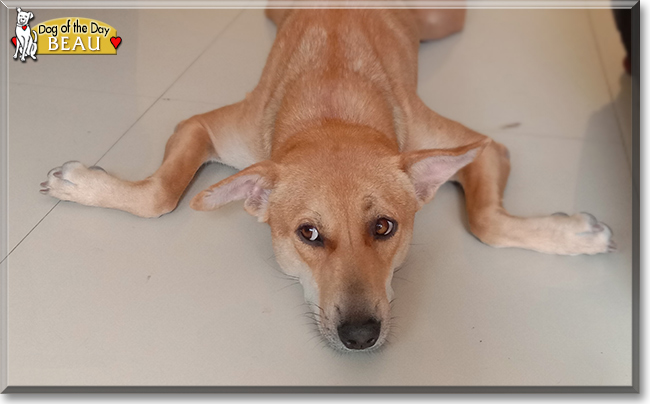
(359, 335)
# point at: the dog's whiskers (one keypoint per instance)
(401, 278)
(289, 285)
(279, 270)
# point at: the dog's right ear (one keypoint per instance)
(19, 10)
(254, 184)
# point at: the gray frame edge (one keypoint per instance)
(4, 183)
(634, 388)
(322, 389)
(636, 201)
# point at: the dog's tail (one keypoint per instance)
(35, 36)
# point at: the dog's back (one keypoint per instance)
(353, 65)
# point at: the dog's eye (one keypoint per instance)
(384, 228)
(309, 234)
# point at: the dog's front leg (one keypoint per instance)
(25, 48)
(17, 48)
(186, 151)
(484, 181)
(197, 140)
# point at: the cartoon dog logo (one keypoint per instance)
(23, 40)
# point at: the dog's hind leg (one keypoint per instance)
(277, 15)
(484, 181)
(439, 23)
(32, 45)
(192, 144)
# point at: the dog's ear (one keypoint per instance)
(429, 169)
(31, 15)
(18, 10)
(254, 184)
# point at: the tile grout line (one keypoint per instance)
(609, 87)
(87, 90)
(611, 97)
(214, 104)
(134, 123)
(602, 64)
(172, 84)
(30, 232)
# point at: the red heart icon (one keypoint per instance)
(116, 41)
(24, 27)
(13, 41)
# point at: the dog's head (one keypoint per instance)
(341, 210)
(23, 16)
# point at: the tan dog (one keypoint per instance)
(338, 153)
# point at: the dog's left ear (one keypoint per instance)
(254, 184)
(430, 168)
(31, 15)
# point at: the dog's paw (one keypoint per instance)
(75, 182)
(582, 233)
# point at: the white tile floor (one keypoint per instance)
(100, 297)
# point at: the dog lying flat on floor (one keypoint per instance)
(337, 153)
